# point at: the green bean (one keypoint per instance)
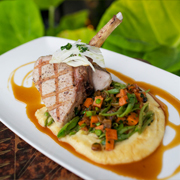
(120, 127)
(67, 127)
(122, 137)
(90, 113)
(138, 128)
(72, 133)
(74, 130)
(46, 121)
(118, 112)
(108, 98)
(136, 107)
(91, 129)
(50, 122)
(106, 92)
(117, 84)
(148, 118)
(102, 135)
(114, 91)
(105, 109)
(130, 106)
(146, 123)
(46, 113)
(124, 129)
(115, 104)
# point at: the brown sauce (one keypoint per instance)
(148, 168)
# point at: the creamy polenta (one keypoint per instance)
(137, 147)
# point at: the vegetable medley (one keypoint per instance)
(113, 114)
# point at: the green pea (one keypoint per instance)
(98, 101)
(98, 132)
(98, 124)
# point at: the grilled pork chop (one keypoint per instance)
(62, 87)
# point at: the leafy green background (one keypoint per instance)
(150, 29)
(18, 24)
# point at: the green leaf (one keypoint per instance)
(18, 23)
(112, 47)
(46, 4)
(85, 34)
(73, 21)
(165, 57)
(150, 30)
(152, 23)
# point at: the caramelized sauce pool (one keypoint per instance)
(148, 168)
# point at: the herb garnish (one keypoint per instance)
(67, 46)
(82, 48)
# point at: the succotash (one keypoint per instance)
(113, 114)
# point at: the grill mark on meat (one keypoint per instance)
(41, 64)
(56, 84)
(55, 106)
(54, 76)
(57, 92)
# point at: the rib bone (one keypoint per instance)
(102, 35)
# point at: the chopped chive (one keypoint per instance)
(67, 46)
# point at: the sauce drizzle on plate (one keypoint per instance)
(148, 168)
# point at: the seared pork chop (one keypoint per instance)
(62, 87)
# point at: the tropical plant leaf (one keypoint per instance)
(85, 34)
(149, 28)
(46, 4)
(165, 57)
(18, 23)
(73, 21)
(154, 23)
(110, 46)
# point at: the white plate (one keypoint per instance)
(13, 115)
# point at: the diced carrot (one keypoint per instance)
(111, 133)
(98, 101)
(133, 88)
(122, 93)
(101, 127)
(84, 128)
(120, 119)
(123, 100)
(94, 120)
(81, 122)
(88, 102)
(132, 119)
(140, 96)
(109, 144)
